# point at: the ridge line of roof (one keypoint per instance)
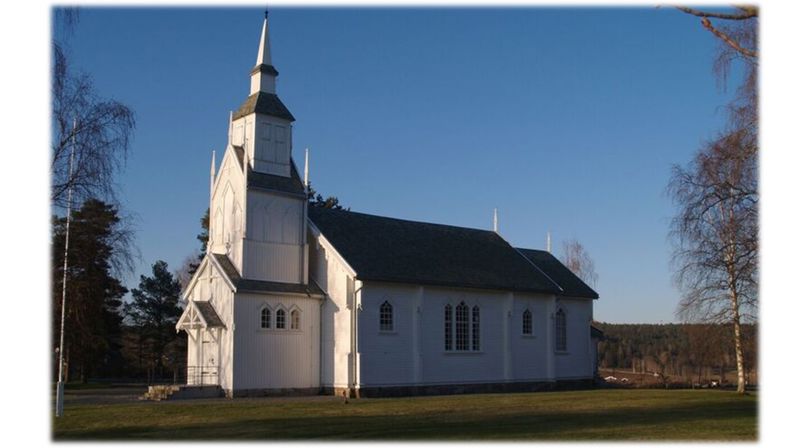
(412, 221)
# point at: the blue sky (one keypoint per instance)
(566, 120)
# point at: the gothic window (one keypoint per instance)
(280, 319)
(295, 319)
(462, 327)
(266, 318)
(527, 322)
(561, 331)
(386, 317)
(476, 328)
(448, 327)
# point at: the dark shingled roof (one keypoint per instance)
(239, 151)
(247, 285)
(395, 250)
(263, 103)
(572, 285)
(263, 181)
(209, 314)
(596, 333)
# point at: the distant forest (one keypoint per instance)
(688, 352)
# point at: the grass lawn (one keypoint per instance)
(580, 415)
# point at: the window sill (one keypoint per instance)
(561, 352)
(277, 330)
(529, 336)
(387, 333)
(463, 352)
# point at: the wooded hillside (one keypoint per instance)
(690, 352)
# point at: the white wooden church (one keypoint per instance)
(299, 299)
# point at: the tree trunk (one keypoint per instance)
(737, 339)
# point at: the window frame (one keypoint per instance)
(527, 323)
(561, 330)
(386, 317)
(280, 315)
(475, 329)
(268, 310)
(462, 328)
(294, 312)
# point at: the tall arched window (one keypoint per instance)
(386, 317)
(280, 319)
(527, 322)
(266, 318)
(448, 327)
(462, 327)
(561, 330)
(295, 319)
(476, 328)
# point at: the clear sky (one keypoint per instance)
(566, 120)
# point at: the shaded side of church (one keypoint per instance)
(299, 299)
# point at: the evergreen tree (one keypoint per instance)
(92, 319)
(153, 312)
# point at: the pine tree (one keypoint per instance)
(94, 295)
(153, 312)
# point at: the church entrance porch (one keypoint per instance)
(204, 327)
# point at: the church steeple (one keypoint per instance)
(262, 77)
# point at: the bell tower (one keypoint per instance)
(258, 202)
(263, 124)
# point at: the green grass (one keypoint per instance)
(580, 415)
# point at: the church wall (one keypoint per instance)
(274, 250)
(387, 357)
(331, 274)
(275, 358)
(530, 352)
(577, 361)
(415, 352)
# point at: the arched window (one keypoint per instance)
(462, 327)
(280, 319)
(295, 319)
(561, 331)
(527, 322)
(448, 327)
(476, 328)
(266, 318)
(386, 317)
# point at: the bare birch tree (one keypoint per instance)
(99, 130)
(715, 231)
(577, 259)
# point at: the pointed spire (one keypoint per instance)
(305, 173)
(230, 128)
(213, 167)
(262, 77)
(264, 55)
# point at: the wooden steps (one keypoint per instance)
(180, 392)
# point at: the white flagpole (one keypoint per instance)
(60, 385)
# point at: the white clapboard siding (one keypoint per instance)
(275, 359)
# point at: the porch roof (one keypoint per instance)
(199, 314)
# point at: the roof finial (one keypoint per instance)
(266, 13)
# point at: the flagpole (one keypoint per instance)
(60, 384)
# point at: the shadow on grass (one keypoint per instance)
(734, 420)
